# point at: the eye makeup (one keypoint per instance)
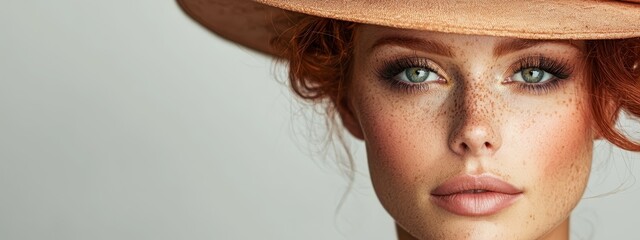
(391, 69)
(558, 69)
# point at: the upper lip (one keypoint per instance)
(473, 183)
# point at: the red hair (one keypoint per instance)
(615, 86)
(319, 53)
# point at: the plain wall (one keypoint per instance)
(126, 120)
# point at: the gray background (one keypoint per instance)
(125, 120)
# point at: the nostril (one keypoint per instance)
(465, 147)
(474, 140)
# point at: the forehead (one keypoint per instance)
(370, 37)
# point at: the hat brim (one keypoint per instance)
(254, 23)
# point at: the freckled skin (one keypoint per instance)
(472, 123)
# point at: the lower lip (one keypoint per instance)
(475, 204)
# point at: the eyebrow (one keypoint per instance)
(437, 47)
(513, 45)
(430, 46)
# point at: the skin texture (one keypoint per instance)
(475, 119)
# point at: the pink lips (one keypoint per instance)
(481, 195)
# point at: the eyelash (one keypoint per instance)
(559, 69)
(391, 69)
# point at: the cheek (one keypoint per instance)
(566, 143)
(402, 141)
(556, 155)
(553, 141)
(569, 156)
(552, 136)
(564, 171)
(568, 150)
(394, 144)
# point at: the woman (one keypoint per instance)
(478, 117)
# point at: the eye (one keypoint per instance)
(532, 75)
(417, 75)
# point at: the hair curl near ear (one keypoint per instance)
(319, 53)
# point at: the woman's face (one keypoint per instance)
(471, 137)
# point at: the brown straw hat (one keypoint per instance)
(254, 23)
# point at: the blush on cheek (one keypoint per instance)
(398, 149)
(567, 144)
(390, 151)
(561, 158)
(566, 162)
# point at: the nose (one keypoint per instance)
(475, 130)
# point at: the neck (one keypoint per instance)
(561, 232)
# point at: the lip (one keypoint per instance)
(479, 195)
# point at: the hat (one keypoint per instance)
(254, 23)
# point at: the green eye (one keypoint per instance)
(532, 75)
(417, 75)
